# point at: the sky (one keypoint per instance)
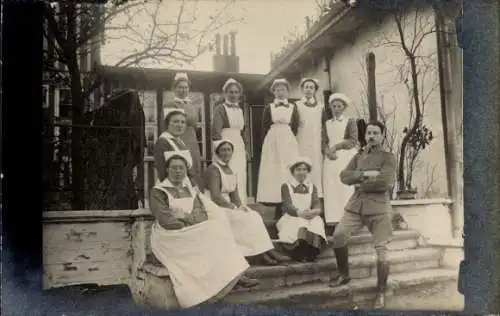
(265, 25)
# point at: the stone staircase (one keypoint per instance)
(304, 284)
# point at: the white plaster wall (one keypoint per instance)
(349, 76)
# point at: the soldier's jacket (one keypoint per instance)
(370, 197)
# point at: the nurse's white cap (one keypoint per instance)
(184, 154)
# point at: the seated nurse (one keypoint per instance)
(248, 227)
(189, 239)
(301, 228)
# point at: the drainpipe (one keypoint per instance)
(328, 69)
(447, 88)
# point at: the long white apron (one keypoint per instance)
(279, 146)
(336, 194)
(248, 227)
(309, 139)
(238, 163)
(201, 259)
(288, 226)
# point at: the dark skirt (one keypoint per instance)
(307, 247)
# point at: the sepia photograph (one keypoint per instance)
(296, 154)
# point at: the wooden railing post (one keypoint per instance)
(372, 88)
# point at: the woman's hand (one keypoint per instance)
(331, 155)
(243, 208)
(316, 212)
(177, 212)
(308, 214)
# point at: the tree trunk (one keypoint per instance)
(77, 110)
(413, 128)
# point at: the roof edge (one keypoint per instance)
(301, 49)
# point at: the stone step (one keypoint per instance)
(363, 243)
(293, 273)
(317, 294)
(361, 266)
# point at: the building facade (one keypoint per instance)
(334, 52)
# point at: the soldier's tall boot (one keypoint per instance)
(342, 257)
(382, 276)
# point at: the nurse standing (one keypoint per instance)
(229, 123)
(311, 113)
(280, 123)
(339, 146)
(170, 140)
(181, 100)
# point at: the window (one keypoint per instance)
(149, 105)
(45, 96)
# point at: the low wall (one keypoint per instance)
(107, 247)
(431, 217)
(84, 247)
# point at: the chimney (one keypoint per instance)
(233, 43)
(225, 62)
(226, 45)
(217, 44)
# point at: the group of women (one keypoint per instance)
(205, 234)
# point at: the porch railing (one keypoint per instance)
(149, 179)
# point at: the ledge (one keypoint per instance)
(443, 201)
(95, 215)
(336, 14)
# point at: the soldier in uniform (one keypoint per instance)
(371, 171)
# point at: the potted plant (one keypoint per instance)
(417, 139)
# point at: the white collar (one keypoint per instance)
(306, 100)
(167, 135)
(295, 183)
(340, 118)
(280, 101)
(167, 184)
(231, 104)
(219, 161)
(185, 100)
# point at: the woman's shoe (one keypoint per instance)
(247, 282)
(276, 255)
(267, 260)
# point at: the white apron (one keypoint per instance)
(280, 144)
(288, 226)
(238, 163)
(248, 227)
(336, 194)
(201, 259)
(309, 139)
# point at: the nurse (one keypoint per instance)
(229, 123)
(171, 140)
(341, 135)
(309, 135)
(191, 240)
(280, 123)
(180, 86)
(301, 227)
(247, 225)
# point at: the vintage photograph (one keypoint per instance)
(309, 154)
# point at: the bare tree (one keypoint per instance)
(417, 71)
(73, 30)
